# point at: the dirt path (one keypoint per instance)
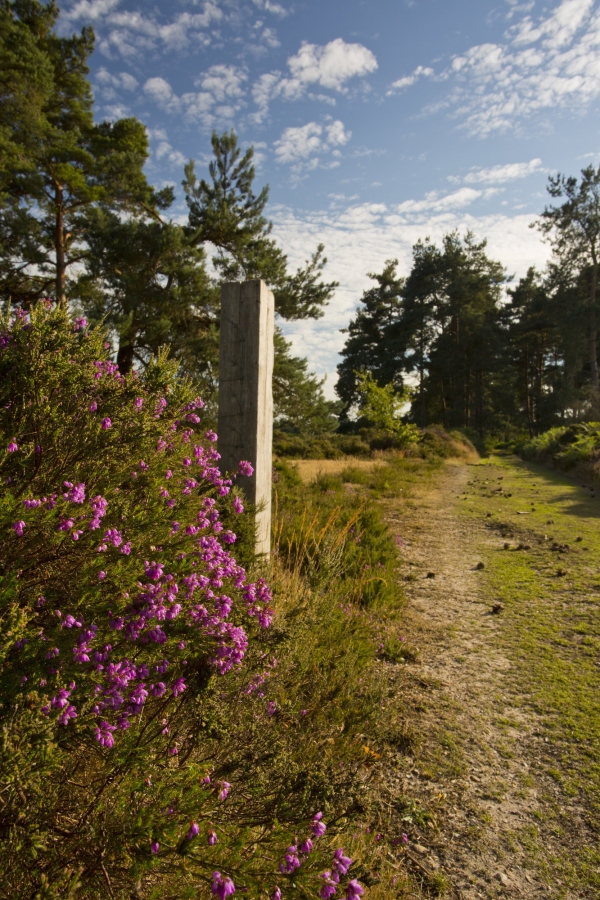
(486, 762)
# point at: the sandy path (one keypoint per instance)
(487, 787)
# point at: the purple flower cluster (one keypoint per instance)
(222, 887)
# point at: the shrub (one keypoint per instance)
(144, 750)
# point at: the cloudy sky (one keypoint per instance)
(375, 122)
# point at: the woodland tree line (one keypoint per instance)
(488, 354)
(80, 222)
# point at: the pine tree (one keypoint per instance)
(366, 347)
(573, 229)
(300, 406)
(227, 214)
(149, 283)
(56, 164)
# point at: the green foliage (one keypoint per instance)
(299, 404)
(381, 407)
(565, 447)
(148, 282)
(443, 322)
(366, 347)
(574, 231)
(326, 446)
(227, 214)
(56, 164)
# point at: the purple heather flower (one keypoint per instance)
(143, 465)
(329, 886)
(340, 862)
(354, 890)
(12, 447)
(178, 687)
(114, 536)
(222, 887)
(19, 528)
(173, 751)
(106, 424)
(139, 402)
(291, 859)
(211, 436)
(318, 827)
(101, 576)
(103, 734)
(404, 838)
(194, 829)
(168, 474)
(238, 506)
(245, 468)
(212, 837)
(154, 846)
(225, 788)
(276, 894)
(271, 709)
(80, 323)
(69, 713)
(187, 461)
(93, 406)
(306, 846)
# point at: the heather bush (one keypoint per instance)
(153, 745)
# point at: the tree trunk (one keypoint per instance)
(528, 393)
(422, 381)
(593, 328)
(125, 354)
(59, 246)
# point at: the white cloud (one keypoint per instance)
(131, 33)
(269, 37)
(361, 237)
(433, 202)
(220, 98)
(162, 93)
(166, 153)
(89, 10)
(272, 7)
(303, 147)
(329, 66)
(505, 173)
(408, 80)
(110, 83)
(543, 65)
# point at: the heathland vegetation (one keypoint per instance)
(180, 719)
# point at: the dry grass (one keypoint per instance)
(310, 469)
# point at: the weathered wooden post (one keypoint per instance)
(246, 393)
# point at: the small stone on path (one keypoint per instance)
(502, 878)
(480, 565)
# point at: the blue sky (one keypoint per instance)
(375, 122)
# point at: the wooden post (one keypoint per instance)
(246, 393)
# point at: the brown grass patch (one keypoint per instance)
(310, 469)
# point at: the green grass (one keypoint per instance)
(550, 628)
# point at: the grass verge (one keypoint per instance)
(339, 621)
(541, 563)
